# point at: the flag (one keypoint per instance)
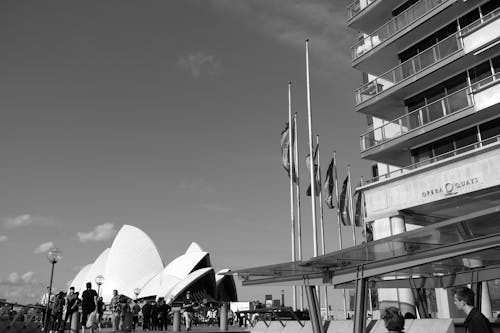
(344, 203)
(329, 186)
(285, 151)
(358, 213)
(317, 185)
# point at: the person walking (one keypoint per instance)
(188, 306)
(89, 305)
(71, 306)
(115, 311)
(475, 322)
(100, 312)
(135, 314)
(57, 312)
(146, 316)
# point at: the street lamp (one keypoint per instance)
(137, 291)
(99, 279)
(53, 256)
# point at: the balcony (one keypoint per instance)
(357, 7)
(419, 118)
(452, 176)
(392, 27)
(409, 68)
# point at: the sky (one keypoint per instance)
(164, 115)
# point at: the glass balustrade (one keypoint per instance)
(450, 154)
(357, 7)
(412, 66)
(391, 27)
(429, 113)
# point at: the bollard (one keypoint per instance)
(75, 322)
(223, 316)
(176, 325)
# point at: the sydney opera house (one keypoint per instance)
(133, 263)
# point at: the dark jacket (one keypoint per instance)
(476, 322)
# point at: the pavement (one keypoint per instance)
(197, 329)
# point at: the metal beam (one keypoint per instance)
(314, 309)
(445, 281)
(360, 312)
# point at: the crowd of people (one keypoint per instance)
(122, 313)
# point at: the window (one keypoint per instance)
(469, 18)
(490, 129)
(443, 146)
(466, 139)
(490, 6)
(480, 72)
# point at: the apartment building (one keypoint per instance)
(430, 90)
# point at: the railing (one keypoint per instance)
(357, 7)
(15, 317)
(429, 113)
(484, 19)
(458, 151)
(393, 26)
(412, 66)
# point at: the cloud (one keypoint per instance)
(44, 247)
(198, 185)
(196, 61)
(26, 220)
(100, 233)
(24, 288)
(3, 238)
(217, 208)
(291, 22)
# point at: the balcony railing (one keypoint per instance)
(450, 154)
(391, 27)
(412, 66)
(484, 19)
(427, 114)
(357, 7)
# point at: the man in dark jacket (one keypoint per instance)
(146, 316)
(475, 322)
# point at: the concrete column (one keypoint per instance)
(402, 297)
(75, 322)
(223, 316)
(485, 300)
(176, 325)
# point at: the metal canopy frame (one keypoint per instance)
(450, 253)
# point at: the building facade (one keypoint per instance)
(430, 90)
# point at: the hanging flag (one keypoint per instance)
(344, 203)
(358, 213)
(317, 185)
(285, 151)
(329, 186)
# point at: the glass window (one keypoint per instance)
(490, 6)
(443, 146)
(422, 153)
(403, 7)
(496, 64)
(480, 72)
(468, 18)
(456, 83)
(447, 31)
(466, 138)
(490, 129)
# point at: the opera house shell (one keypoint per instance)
(133, 263)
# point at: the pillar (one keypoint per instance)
(75, 322)
(176, 325)
(399, 297)
(223, 316)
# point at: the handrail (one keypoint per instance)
(421, 61)
(409, 68)
(429, 113)
(437, 158)
(394, 25)
(354, 8)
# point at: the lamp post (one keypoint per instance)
(137, 291)
(53, 256)
(99, 280)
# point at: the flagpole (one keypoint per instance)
(336, 182)
(311, 174)
(351, 210)
(322, 225)
(292, 176)
(362, 216)
(297, 187)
